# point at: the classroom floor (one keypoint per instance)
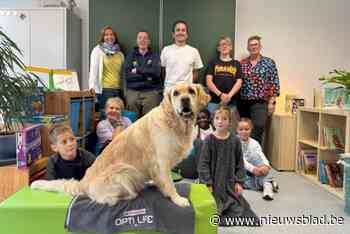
(297, 197)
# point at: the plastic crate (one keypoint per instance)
(91, 142)
(346, 162)
(130, 115)
(88, 105)
(74, 115)
(8, 147)
(79, 141)
(347, 184)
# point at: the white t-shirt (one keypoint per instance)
(179, 62)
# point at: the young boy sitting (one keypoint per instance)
(258, 171)
(69, 161)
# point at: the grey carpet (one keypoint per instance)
(297, 197)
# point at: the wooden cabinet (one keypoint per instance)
(78, 105)
(13, 179)
(310, 135)
(280, 141)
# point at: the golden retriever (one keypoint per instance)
(146, 150)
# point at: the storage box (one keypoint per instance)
(74, 115)
(130, 115)
(336, 96)
(28, 146)
(346, 163)
(88, 113)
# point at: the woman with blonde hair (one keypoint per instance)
(106, 64)
(114, 124)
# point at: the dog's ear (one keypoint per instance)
(203, 97)
(166, 102)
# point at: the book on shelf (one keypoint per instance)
(334, 174)
(28, 146)
(307, 161)
(322, 172)
(334, 139)
(46, 119)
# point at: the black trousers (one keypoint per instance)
(256, 110)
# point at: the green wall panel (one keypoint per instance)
(207, 19)
(126, 17)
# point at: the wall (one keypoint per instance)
(307, 39)
(82, 10)
(19, 3)
(128, 16)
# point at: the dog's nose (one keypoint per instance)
(185, 101)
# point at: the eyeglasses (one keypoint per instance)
(224, 44)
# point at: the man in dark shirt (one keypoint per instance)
(68, 162)
(142, 77)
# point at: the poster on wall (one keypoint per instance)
(67, 82)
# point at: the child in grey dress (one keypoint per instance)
(221, 168)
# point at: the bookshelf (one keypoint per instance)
(78, 106)
(311, 123)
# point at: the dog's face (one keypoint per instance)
(187, 100)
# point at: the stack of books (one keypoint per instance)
(46, 119)
(331, 173)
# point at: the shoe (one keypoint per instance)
(275, 186)
(267, 192)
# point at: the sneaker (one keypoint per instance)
(267, 192)
(275, 186)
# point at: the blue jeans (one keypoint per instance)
(257, 182)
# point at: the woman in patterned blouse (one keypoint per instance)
(260, 85)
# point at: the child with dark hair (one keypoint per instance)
(221, 168)
(188, 167)
(69, 161)
(203, 125)
(259, 174)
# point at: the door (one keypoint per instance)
(47, 33)
(15, 24)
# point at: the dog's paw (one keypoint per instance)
(181, 201)
(109, 200)
(38, 184)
